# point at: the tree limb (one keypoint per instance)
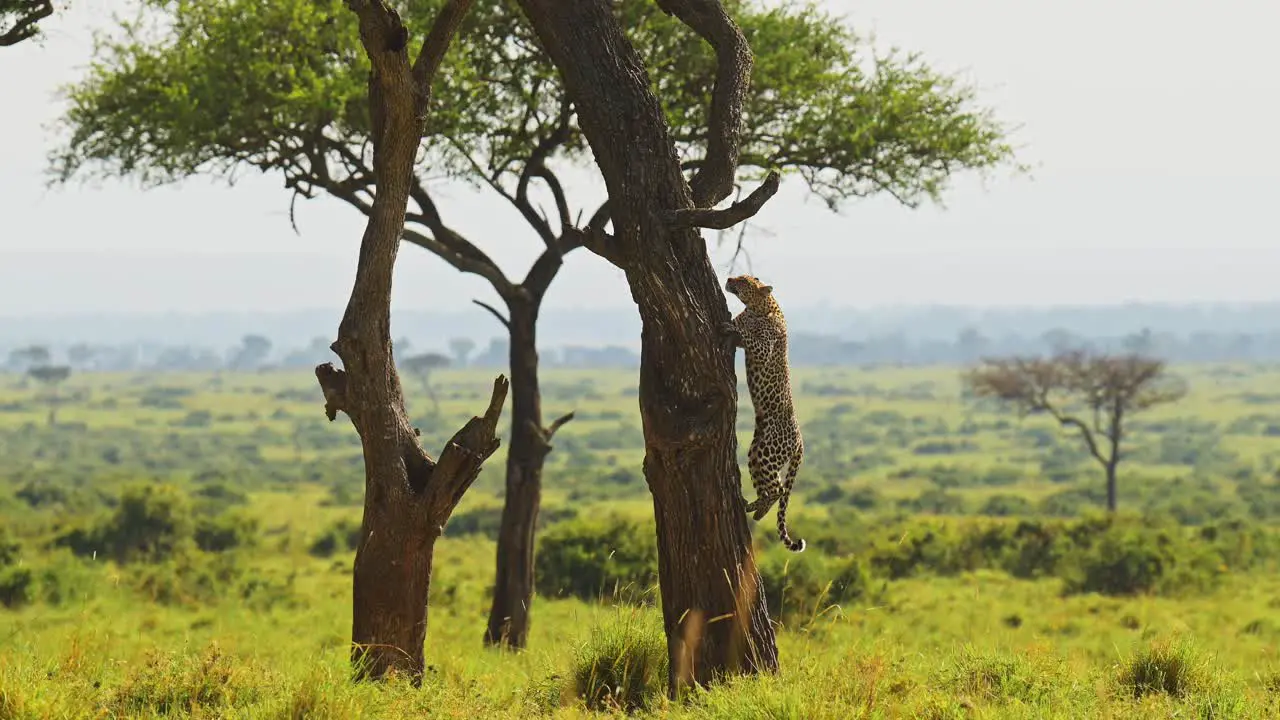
(25, 28)
(536, 166)
(559, 423)
(494, 311)
(714, 180)
(432, 53)
(728, 217)
(1085, 432)
(460, 261)
(597, 241)
(464, 455)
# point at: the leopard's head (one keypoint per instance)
(753, 293)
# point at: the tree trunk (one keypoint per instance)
(713, 604)
(1111, 486)
(513, 583)
(408, 495)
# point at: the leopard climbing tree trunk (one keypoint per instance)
(408, 494)
(713, 604)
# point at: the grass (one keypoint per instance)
(266, 636)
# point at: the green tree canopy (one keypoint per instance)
(187, 90)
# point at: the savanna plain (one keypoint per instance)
(182, 545)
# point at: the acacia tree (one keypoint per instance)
(1090, 393)
(423, 366)
(409, 496)
(822, 106)
(19, 19)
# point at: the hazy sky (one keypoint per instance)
(1150, 125)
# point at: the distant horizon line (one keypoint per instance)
(597, 308)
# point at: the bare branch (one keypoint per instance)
(714, 180)
(536, 166)
(559, 423)
(333, 383)
(460, 261)
(494, 311)
(464, 455)
(732, 215)
(600, 217)
(597, 241)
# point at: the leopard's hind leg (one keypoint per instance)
(793, 468)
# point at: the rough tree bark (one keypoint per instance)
(408, 495)
(530, 442)
(713, 605)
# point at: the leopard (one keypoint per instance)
(777, 447)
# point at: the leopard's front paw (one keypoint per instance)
(728, 329)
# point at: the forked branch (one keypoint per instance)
(463, 456)
(738, 212)
(713, 181)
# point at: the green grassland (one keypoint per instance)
(179, 545)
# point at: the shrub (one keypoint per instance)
(10, 548)
(190, 578)
(150, 523)
(1006, 505)
(623, 666)
(17, 586)
(226, 531)
(592, 558)
(64, 579)
(805, 585)
(1128, 558)
(342, 536)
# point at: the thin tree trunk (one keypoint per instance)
(1111, 487)
(713, 605)
(513, 583)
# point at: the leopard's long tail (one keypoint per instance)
(796, 545)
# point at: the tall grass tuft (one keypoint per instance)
(624, 664)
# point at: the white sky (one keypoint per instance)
(1150, 123)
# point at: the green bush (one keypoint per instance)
(17, 586)
(190, 578)
(1133, 557)
(64, 579)
(226, 531)
(806, 585)
(341, 536)
(150, 523)
(10, 548)
(594, 558)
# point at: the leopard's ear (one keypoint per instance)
(766, 289)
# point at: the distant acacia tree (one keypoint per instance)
(251, 354)
(23, 359)
(422, 366)
(462, 347)
(50, 376)
(19, 19)
(1090, 393)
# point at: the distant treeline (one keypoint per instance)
(256, 352)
